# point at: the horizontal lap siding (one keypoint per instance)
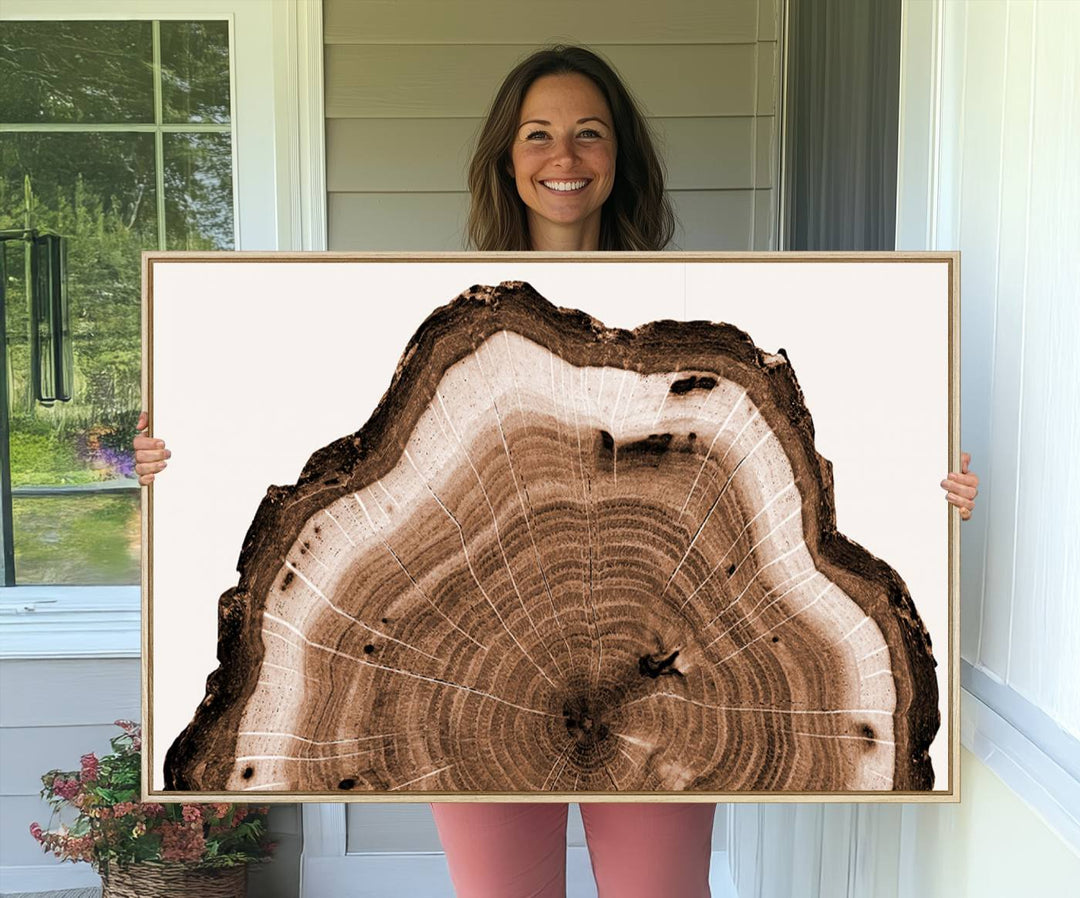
(707, 219)
(460, 80)
(52, 713)
(526, 22)
(408, 84)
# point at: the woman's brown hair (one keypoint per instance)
(637, 214)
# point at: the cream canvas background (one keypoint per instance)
(256, 364)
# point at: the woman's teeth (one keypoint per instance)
(564, 186)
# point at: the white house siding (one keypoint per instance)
(408, 83)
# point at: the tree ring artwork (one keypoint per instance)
(562, 557)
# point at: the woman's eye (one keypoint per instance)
(536, 134)
(589, 132)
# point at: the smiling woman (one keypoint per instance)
(563, 116)
(563, 160)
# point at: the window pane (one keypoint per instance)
(76, 72)
(198, 192)
(195, 71)
(81, 540)
(98, 191)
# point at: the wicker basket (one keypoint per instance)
(174, 880)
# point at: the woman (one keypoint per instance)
(565, 163)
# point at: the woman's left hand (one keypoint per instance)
(962, 488)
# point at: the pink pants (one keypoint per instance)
(638, 850)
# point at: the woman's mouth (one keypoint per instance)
(567, 186)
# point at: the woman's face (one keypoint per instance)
(563, 159)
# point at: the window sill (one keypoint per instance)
(70, 622)
(1040, 773)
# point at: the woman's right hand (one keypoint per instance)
(150, 453)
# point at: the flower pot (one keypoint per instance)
(173, 880)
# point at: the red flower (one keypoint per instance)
(191, 813)
(89, 767)
(65, 788)
(181, 842)
(36, 831)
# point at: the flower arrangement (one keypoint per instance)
(114, 827)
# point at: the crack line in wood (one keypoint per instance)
(843, 736)
(796, 513)
(317, 741)
(517, 487)
(292, 670)
(472, 570)
(708, 453)
(795, 548)
(495, 524)
(498, 534)
(806, 607)
(525, 486)
(586, 495)
(344, 532)
(406, 571)
(417, 779)
(712, 508)
(746, 618)
(352, 618)
(408, 673)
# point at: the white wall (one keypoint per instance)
(1004, 189)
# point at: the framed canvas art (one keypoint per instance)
(552, 527)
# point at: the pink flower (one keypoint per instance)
(36, 831)
(153, 809)
(65, 788)
(191, 813)
(181, 842)
(89, 767)
(123, 808)
(128, 726)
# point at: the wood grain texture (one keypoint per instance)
(562, 557)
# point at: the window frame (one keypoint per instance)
(276, 94)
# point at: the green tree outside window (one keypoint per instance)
(118, 136)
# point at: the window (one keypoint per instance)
(116, 135)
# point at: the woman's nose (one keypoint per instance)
(564, 149)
